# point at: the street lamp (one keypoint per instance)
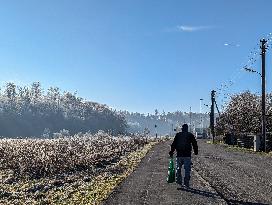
(201, 122)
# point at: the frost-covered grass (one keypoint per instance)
(36, 158)
(103, 185)
(51, 171)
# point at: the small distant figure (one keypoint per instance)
(183, 143)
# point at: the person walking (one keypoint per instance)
(183, 143)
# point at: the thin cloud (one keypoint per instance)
(231, 44)
(184, 28)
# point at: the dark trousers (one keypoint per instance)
(180, 161)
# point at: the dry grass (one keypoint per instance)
(36, 158)
(104, 184)
(65, 170)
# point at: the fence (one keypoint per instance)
(246, 140)
(269, 142)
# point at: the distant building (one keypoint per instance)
(199, 130)
(201, 133)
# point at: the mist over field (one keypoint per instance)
(165, 122)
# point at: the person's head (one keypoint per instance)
(185, 128)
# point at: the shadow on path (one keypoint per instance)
(199, 192)
(216, 195)
(239, 202)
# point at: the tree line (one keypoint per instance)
(30, 111)
(27, 111)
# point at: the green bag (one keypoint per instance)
(171, 171)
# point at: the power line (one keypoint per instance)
(252, 59)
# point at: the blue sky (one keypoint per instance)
(135, 55)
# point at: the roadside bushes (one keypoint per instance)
(243, 116)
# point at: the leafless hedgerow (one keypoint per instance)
(243, 114)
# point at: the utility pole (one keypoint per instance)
(212, 115)
(263, 47)
(190, 119)
(156, 131)
(201, 122)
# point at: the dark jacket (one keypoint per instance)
(183, 143)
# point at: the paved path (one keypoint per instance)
(240, 178)
(147, 185)
(219, 176)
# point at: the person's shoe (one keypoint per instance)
(180, 187)
(179, 183)
(186, 182)
(186, 185)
